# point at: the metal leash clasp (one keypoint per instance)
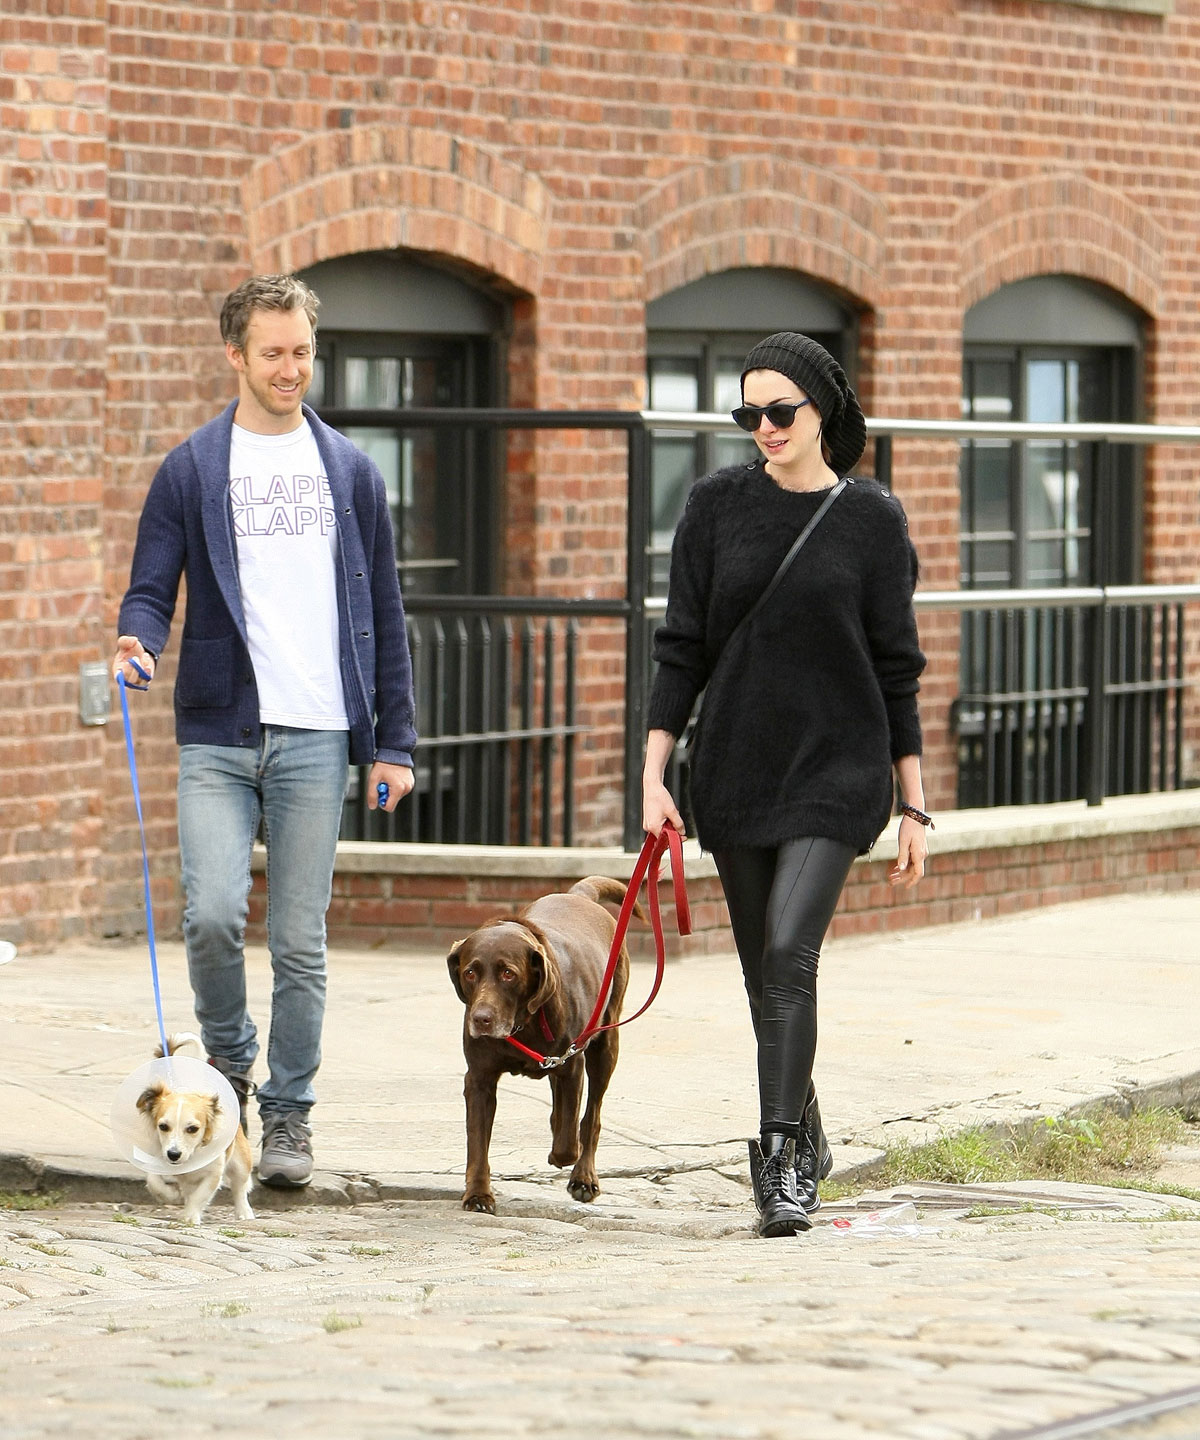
(552, 1062)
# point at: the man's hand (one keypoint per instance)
(129, 647)
(398, 779)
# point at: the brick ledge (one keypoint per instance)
(957, 830)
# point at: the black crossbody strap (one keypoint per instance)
(786, 563)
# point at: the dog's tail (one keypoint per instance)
(601, 888)
(182, 1043)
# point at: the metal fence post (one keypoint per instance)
(1095, 719)
(636, 657)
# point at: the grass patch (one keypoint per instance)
(1102, 1148)
(334, 1323)
(29, 1200)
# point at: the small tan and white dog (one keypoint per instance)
(178, 1123)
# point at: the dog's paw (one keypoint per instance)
(485, 1203)
(584, 1190)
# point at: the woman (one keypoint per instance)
(808, 707)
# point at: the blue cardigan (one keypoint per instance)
(187, 529)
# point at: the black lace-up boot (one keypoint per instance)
(813, 1160)
(773, 1176)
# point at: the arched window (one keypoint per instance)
(697, 337)
(1041, 514)
(397, 333)
(1053, 348)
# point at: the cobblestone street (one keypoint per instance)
(656, 1314)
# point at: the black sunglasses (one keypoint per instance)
(781, 414)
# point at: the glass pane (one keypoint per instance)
(991, 470)
(732, 450)
(316, 391)
(1077, 488)
(727, 385)
(373, 382)
(1045, 562)
(989, 390)
(1095, 390)
(674, 383)
(391, 382)
(674, 464)
(987, 565)
(383, 446)
(1045, 485)
(1045, 392)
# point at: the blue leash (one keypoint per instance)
(137, 801)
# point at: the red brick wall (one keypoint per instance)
(53, 354)
(581, 159)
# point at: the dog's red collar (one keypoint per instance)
(647, 864)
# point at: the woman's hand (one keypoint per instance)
(658, 809)
(911, 851)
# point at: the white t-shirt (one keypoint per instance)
(286, 532)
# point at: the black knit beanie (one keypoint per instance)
(818, 374)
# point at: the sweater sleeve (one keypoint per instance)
(891, 627)
(158, 561)
(679, 642)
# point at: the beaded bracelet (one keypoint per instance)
(918, 815)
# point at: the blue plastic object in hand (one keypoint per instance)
(382, 792)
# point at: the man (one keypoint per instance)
(293, 662)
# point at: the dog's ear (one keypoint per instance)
(150, 1096)
(452, 966)
(544, 968)
(212, 1113)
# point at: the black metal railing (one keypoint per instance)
(1073, 693)
(496, 676)
(496, 684)
(1069, 694)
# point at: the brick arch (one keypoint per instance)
(375, 187)
(758, 210)
(1059, 224)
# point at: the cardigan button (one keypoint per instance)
(358, 574)
(366, 634)
(245, 732)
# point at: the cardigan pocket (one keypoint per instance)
(205, 679)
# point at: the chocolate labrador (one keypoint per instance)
(536, 976)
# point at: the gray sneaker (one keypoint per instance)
(287, 1159)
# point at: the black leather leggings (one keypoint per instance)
(780, 904)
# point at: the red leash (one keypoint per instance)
(647, 864)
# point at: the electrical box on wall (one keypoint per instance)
(95, 697)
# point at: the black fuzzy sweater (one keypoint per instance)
(816, 696)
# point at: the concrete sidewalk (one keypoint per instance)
(923, 1032)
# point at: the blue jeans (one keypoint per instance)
(295, 782)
